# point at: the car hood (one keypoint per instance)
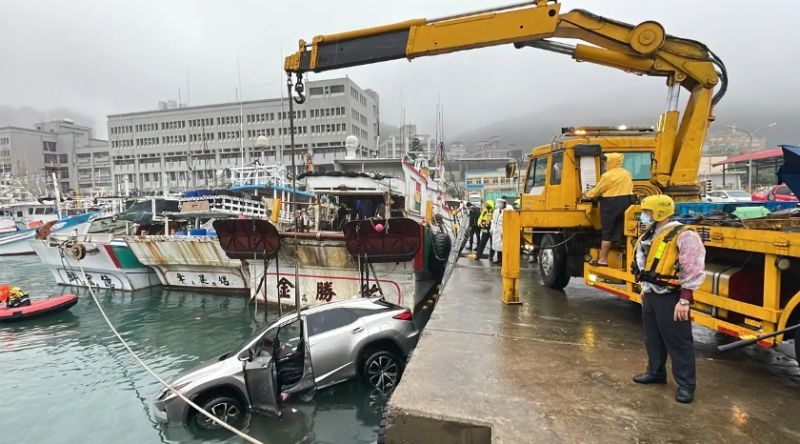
(205, 369)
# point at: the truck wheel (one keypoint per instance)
(553, 262)
(797, 345)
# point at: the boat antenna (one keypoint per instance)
(241, 112)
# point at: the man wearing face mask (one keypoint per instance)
(669, 265)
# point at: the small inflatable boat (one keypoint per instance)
(37, 308)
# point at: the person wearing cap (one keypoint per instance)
(670, 266)
(485, 223)
(497, 230)
(615, 191)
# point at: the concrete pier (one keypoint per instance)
(558, 369)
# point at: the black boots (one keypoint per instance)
(647, 378)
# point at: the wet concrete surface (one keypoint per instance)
(558, 368)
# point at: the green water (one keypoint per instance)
(66, 379)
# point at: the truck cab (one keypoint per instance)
(552, 187)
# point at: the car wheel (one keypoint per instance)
(382, 370)
(224, 407)
(553, 262)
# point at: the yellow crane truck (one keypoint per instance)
(751, 287)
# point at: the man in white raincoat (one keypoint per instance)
(497, 230)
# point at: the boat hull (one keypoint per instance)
(109, 265)
(327, 272)
(190, 262)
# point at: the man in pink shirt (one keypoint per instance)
(669, 265)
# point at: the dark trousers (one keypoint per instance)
(664, 337)
(476, 235)
(482, 243)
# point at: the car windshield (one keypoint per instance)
(738, 194)
(244, 345)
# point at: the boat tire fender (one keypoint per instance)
(77, 251)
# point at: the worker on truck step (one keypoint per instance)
(615, 191)
(669, 265)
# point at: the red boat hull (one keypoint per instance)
(38, 308)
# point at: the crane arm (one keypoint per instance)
(644, 49)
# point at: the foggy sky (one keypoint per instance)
(104, 57)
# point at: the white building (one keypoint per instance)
(53, 147)
(186, 147)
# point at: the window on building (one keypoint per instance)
(315, 91)
(337, 89)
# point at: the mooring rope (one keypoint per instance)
(213, 418)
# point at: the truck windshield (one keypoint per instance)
(638, 164)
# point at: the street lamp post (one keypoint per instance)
(750, 135)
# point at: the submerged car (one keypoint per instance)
(324, 345)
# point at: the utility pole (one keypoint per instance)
(750, 135)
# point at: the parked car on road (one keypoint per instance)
(728, 196)
(331, 343)
(781, 193)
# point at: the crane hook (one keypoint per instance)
(298, 88)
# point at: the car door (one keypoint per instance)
(293, 359)
(333, 336)
(260, 374)
(536, 180)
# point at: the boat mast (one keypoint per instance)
(57, 194)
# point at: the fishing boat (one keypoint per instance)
(17, 242)
(391, 210)
(100, 257)
(24, 217)
(188, 255)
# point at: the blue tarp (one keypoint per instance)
(789, 173)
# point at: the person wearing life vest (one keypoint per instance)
(669, 265)
(17, 298)
(485, 222)
(615, 191)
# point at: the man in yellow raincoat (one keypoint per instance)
(615, 191)
(485, 222)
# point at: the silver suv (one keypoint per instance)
(327, 344)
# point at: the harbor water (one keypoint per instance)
(66, 378)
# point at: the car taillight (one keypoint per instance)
(404, 316)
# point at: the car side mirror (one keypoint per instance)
(511, 169)
(246, 356)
